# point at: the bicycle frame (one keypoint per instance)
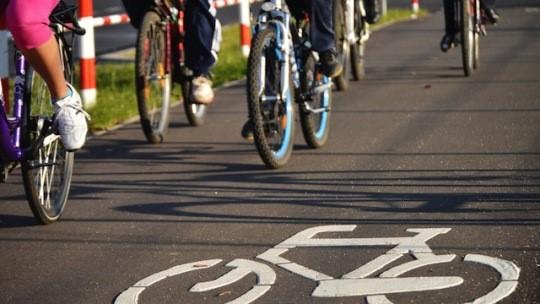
(279, 18)
(10, 127)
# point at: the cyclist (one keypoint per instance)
(201, 42)
(30, 31)
(451, 28)
(321, 33)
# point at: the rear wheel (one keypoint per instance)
(358, 49)
(47, 167)
(315, 122)
(271, 114)
(342, 45)
(467, 36)
(476, 35)
(153, 77)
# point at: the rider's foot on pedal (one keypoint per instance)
(331, 65)
(247, 131)
(202, 90)
(372, 11)
(70, 120)
(447, 42)
(491, 16)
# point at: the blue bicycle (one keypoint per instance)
(28, 139)
(284, 71)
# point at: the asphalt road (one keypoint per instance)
(421, 161)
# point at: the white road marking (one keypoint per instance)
(354, 283)
(376, 286)
(509, 275)
(131, 295)
(372, 266)
(422, 260)
(242, 267)
(266, 277)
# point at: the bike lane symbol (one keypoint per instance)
(354, 283)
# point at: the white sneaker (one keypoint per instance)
(70, 120)
(202, 90)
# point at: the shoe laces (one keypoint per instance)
(63, 104)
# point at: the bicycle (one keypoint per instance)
(352, 33)
(28, 138)
(283, 71)
(468, 17)
(160, 62)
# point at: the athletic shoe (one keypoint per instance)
(202, 90)
(447, 42)
(70, 120)
(331, 66)
(491, 15)
(247, 131)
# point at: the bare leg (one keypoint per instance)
(46, 61)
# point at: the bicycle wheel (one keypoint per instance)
(195, 113)
(358, 49)
(342, 44)
(47, 167)
(153, 77)
(467, 36)
(476, 35)
(316, 122)
(272, 116)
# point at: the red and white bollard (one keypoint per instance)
(245, 30)
(415, 6)
(87, 55)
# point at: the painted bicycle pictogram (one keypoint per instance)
(355, 283)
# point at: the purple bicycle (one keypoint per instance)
(27, 137)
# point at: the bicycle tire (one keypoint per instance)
(195, 113)
(342, 45)
(47, 172)
(153, 77)
(476, 36)
(273, 121)
(467, 36)
(358, 69)
(315, 126)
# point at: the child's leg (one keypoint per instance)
(34, 38)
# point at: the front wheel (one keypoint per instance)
(153, 77)
(315, 112)
(271, 114)
(467, 36)
(47, 167)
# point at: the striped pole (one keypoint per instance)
(87, 54)
(4, 65)
(245, 31)
(415, 6)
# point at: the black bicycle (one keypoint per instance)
(468, 20)
(160, 62)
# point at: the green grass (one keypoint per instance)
(116, 100)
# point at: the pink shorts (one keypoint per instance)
(28, 20)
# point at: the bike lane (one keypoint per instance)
(414, 147)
